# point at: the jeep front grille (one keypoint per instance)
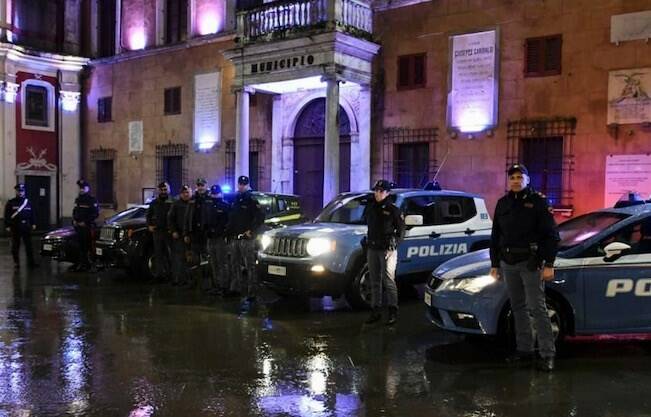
(287, 246)
(107, 233)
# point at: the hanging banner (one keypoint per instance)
(474, 81)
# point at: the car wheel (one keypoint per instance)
(359, 291)
(556, 316)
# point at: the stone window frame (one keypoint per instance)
(411, 61)
(172, 149)
(103, 154)
(393, 136)
(50, 102)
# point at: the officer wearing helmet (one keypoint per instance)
(157, 225)
(84, 214)
(245, 218)
(386, 229)
(218, 247)
(19, 222)
(523, 247)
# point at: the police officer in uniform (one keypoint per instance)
(176, 224)
(19, 222)
(197, 221)
(157, 225)
(245, 218)
(523, 247)
(218, 248)
(84, 214)
(386, 229)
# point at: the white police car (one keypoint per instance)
(602, 282)
(326, 258)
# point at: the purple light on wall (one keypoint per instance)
(137, 39)
(209, 22)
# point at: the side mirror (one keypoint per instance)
(414, 220)
(615, 250)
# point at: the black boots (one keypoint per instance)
(375, 316)
(546, 364)
(393, 316)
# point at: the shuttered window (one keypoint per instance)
(543, 56)
(104, 111)
(411, 72)
(173, 100)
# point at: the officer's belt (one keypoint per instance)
(517, 251)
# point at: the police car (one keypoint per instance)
(602, 282)
(326, 258)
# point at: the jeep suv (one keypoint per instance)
(325, 257)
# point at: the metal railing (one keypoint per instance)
(295, 15)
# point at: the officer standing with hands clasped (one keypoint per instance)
(84, 214)
(217, 245)
(523, 247)
(19, 222)
(245, 218)
(386, 229)
(157, 225)
(176, 224)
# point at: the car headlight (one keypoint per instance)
(468, 285)
(265, 241)
(121, 234)
(319, 245)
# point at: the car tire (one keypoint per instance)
(506, 331)
(358, 294)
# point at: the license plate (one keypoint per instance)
(47, 247)
(428, 299)
(98, 251)
(277, 270)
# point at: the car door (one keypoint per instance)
(439, 238)
(617, 291)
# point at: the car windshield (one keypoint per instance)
(575, 231)
(347, 209)
(130, 213)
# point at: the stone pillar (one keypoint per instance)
(3, 21)
(331, 145)
(70, 136)
(277, 145)
(8, 110)
(242, 132)
(360, 152)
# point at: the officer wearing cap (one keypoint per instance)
(157, 225)
(523, 247)
(197, 220)
(84, 214)
(386, 229)
(176, 225)
(245, 218)
(218, 248)
(19, 222)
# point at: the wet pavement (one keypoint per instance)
(107, 345)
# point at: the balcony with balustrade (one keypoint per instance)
(288, 19)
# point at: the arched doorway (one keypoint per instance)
(309, 134)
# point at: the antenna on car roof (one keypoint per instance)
(434, 184)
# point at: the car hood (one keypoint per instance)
(129, 223)
(468, 265)
(60, 233)
(331, 230)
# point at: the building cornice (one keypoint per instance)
(382, 5)
(192, 43)
(44, 61)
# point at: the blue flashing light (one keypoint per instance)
(226, 188)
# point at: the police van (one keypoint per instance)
(602, 281)
(325, 257)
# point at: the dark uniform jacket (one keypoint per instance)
(157, 213)
(523, 221)
(386, 227)
(86, 209)
(245, 214)
(198, 213)
(24, 220)
(177, 216)
(218, 211)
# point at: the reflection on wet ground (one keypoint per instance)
(96, 345)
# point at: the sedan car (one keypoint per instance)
(61, 244)
(602, 282)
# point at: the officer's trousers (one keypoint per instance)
(180, 270)
(162, 243)
(84, 241)
(244, 255)
(382, 276)
(220, 260)
(16, 237)
(527, 293)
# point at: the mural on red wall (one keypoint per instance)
(36, 149)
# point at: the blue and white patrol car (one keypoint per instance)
(602, 282)
(326, 258)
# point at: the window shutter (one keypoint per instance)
(403, 71)
(553, 55)
(419, 70)
(533, 57)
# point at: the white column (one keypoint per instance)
(10, 91)
(360, 152)
(4, 191)
(3, 20)
(277, 145)
(331, 145)
(161, 21)
(70, 159)
(242, 132)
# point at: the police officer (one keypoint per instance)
(218, 248)
(84, 214)
(176, 224)
(197, 220)
(157, 224)
(19, 222)
(386, 229)
(523, 248)
(245, 218)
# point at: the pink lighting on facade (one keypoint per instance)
(137, 39)
(209, 22)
